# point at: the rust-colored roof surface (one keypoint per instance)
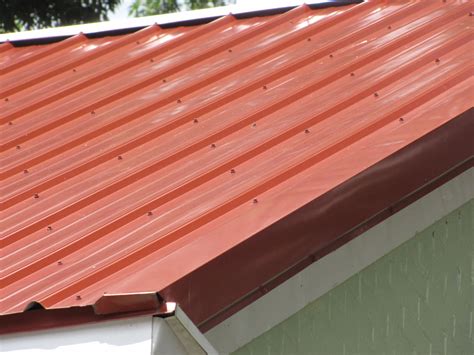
(131, 163)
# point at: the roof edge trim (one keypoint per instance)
(185, 18)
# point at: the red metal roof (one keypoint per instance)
(203, 162)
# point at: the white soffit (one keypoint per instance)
(338, 266)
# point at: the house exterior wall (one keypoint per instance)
(418, 299)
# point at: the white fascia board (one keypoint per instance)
(165, 19)
(120, 337)
(143, 335)
(338, 266)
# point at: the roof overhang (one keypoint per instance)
(392, 184)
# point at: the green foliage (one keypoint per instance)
(18, 15)
(155, 7)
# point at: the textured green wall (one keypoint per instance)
(418, 299)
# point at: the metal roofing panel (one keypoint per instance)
(130, 162)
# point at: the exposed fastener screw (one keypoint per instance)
(74, 70)
(119, 157)
(309, 39)
(178, 101)
(437, 60)
(264, 87)
(92, 112)
(60, 262)
(401, 119)
(376, 94)
(18, 147)
(10, 123)
(36, 196)
(306, 130)
(254, 125)
(6, 99)
(138, 42)
(255, 200)
(25, 171)
(232, 171)
(150, 213)
(331, 56)
(50, 228)
(389, 27)
(229, 50)
(352, 74)
(471, 14)
(195, 120)
(213, 145)
(152, 60)
(164, 80)
(78, 297)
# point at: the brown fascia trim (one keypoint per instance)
(108, 307)
(240, 276)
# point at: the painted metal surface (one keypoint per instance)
(334, 269)
(416, 299)
(169, 160)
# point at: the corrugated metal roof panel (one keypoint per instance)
(129, 162)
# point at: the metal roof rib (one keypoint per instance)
(129, 162)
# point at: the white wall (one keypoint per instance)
(126, 336)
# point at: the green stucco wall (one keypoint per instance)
(418, 299)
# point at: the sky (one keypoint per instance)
(122, 11)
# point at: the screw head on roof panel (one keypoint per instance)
(60, 262)
(309, 39)
(229, 50)
(164, 80)
(119, 157)
(92, 112)
(18, 147)
(195, 120)
(306, 130)
(254, 124)
(330, 56)
(74, 70)
(152, 60)
(376, 94)
(150, 213)
(389, 27)
(437, 60)
(49, 228)
(255, 200)
(352, 74)
(6, 99)
(401, 119)
(264, 87)
(78, 297)
(178, 101)
(36, 196)
(232, 171)
(137, 42)
(25, 171)
(213, 145)
(10, 123)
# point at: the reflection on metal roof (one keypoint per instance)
(131, 162)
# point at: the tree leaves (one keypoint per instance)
(21, 15)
